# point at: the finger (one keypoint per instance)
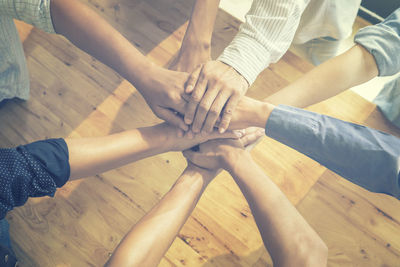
(228, 112)
(186, 97)
(171, 117)
(180, 105)
(191, 156)
(189, 134)
(251, 136)
(204, 107)
(215, 110)
(180, 133)
(195, 99)
(237, 134)
(191, 82)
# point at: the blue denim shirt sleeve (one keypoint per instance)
(383, 42)
(364, 156)
(32, 170)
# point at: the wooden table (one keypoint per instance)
(72, 94)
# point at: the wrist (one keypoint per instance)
(263, 111)
(196, 43)
(158, 137)
(197, 174)
(234, 157)
(143, 76)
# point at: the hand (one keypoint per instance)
(176, 141)
(163, 89)
(216, 154)
(214, 87)
(250, 113)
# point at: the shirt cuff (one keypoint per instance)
(53, 155)
(362, 155)
(247, 56)
(383, 42)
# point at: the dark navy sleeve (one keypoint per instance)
(364, 156)
(32, 170)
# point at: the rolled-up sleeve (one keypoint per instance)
(383, 42)
(32, 170)
(34, 12)
(364, 156)
(264, 37)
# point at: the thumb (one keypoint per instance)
(226, 135)
(170, 117)
(191, 82)
(251, 136)
(190, 155)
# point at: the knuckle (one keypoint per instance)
(214, 111)
(195, 98)
(204, 106)
(228, 111)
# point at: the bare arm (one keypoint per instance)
(334, 76)
(91, 33)
(218, 86)
(161, 88)
(196, 45)
(150, 238)
(286, 235)
(146, 243)
(93, 155)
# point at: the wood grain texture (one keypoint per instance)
(72, 94)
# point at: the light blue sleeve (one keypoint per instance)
(34, 12)
(383, 42)
(364, 156)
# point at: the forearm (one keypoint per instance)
(201, 23)
(93, 155)
(150, 238)
(286, 235)
(336, 75)
(91, 33)
(196, 44)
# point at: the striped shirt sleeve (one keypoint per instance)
(34, 12)
(264, 37)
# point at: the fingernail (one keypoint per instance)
(189, 89)
(180, 133)
(238, 134)
(188, 121)
(221, 130)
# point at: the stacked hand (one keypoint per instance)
(224, 153)
(215, 90)
(163, 90)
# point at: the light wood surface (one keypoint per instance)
(72, 94)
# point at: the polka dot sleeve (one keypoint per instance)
(32, 170)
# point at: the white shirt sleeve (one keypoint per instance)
(34, 12)
(264, 37)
